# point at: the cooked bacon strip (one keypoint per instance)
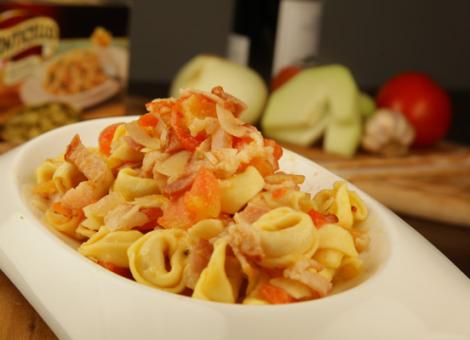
(149, 161)
(220, 140)
(252, 212)
(243, 238)
(125, 217)
(95, 170)
(91, 165)
(82, 195)
(230, 123)
(174, 145)
(180, 185)
(105, 204)
(281, 177)
(302, 271)
(198, 259)
(132, 143)
(140, 136)
(230, 102)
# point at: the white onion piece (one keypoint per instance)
(233, 126)
(220, 140)
(138, 134)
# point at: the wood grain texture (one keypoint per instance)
(18, 319)
(433, 183)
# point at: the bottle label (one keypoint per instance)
(238, 49)
(297, 36)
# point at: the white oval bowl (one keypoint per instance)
(409, 289)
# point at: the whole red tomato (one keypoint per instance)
(283, 76)
(423, 102)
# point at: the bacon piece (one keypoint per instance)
(95, 170)
(140, 136)
(252, 212)
(91, 165)
(220, 140)
(125, 217)
(174, 145)
(302, 271)
(198, 259)
(80, 196)
(180, 185)
(244, 239)
(149, 161)
(281, 177)
(235, 105)
(132, 143)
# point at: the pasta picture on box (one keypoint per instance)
(189, 199)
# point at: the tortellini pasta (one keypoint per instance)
(345, 204)
(286, 236)
(217, 283)
(206, 229)
(66, 176)
(46, 170)
(130, 185)
(239, 189)
(158, 259)
(297, 200)
(110, 246)
(62, 223)
(190, 200)
(294, 288)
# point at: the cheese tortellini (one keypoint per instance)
(158, 259)
(189, 199)
(110, 246)
(286, 235)
(219, 281)
(130, 185)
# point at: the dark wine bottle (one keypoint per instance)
(268, 35)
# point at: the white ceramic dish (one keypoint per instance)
(409, 291)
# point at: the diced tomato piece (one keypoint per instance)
(239, 143)
(106, 137)
(204, 197)
(62, 209)
(153, 214)
(279, 193)
(197, 105)
(320, 219)
(274, 295)
(176, 215)
(125, 272)
(189, 142)
(148, 120)
(263, 166)
(277, 153)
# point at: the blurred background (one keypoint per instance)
(376, 40)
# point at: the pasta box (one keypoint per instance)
(59, 62)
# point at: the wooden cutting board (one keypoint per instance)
(432, 183)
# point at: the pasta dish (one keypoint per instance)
(189, 199)
(73, 72)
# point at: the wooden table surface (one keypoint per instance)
(18, 320)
